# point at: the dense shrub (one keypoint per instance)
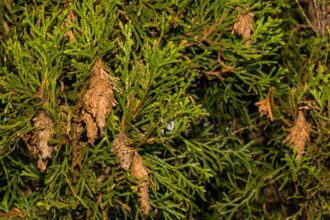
(192, 109)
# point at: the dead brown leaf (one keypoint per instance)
(298, 137)
(44, 131)
(244, 24)
(265, 108)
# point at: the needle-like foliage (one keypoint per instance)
(158, 109)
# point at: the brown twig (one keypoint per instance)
(104, 210)
(13, 213)
(206, 35)
(210, 30)
(218, 73)
(304, 14)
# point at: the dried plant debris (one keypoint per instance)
(144, 197)
(70, 19)
(105, 174)
(123, 152)
(14, 213)
(44, 131)
(244, 24)
(264, 108)
(133, 104)
(91, 126)
(77, 145)
(140, 172)
(318, 16)
(98, 101)
(131, 161)
(298, 137)
(104, 209)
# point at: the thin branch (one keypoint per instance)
(318, 17)
(305, 16)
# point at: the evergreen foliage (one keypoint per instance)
(155, 109)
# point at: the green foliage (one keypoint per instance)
(186, 84)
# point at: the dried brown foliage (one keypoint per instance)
(144, 197)
(140, 172)
(104, 209)
(91, 126)
(317, 16)
(105, 174)
(123, 152)
(77, 145)
(97, 101)
(298, 137)
(244, 24)
(13, 214)
(69, 20)
(133, 104)
(131, 161)
(41, 89)
(44, 131)
(265, 108)
(5, 26)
